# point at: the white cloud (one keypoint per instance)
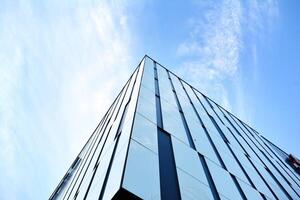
(62, 63)
(261, 17)
(218, 37)
(60, 67)
(213, 48)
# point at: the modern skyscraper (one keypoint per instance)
(163, 139)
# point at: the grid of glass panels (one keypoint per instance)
(163, 139)
(97, 171)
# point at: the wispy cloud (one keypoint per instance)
(60, 67)
(61, 62)
(217, 41)
(213, 47)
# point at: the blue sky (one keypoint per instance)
(62, 63)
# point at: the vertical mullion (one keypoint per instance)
(248, 157)
(204, 164)
(157, 99)
(192, 145)
(209, 178)
(269, 171)
(86, 156)
(281, 161)
(95, 149)
(103, 128)
(216, 151)
(169, 185)
(206, 132)
(92, 137)
(229, 147)
(238, 186)
(263, 152)
(116, 139)
(274, 178)
(206, 98)
(188, 134)
(121, 98)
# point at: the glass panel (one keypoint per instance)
(281, 180)
(123, 99)
(188, 160)
(269, 198)
(286, 172)
(73, 173)
(148, 76)
(186, 106)
(145, 132)
(94, 194)
(224, 128)
(223, 181)
(165, 88)
(106, 145)
(200, 110)
(250, 192)
(132, 98)
(99, 176)
(278, 191)
(87, 169)
(116, 171)
(254, 146)
(191, 188)
(178, 88)
(296, 188)
(202, 143)
(172, 121)
(271, 182)
(215, 111)
(241, 139)
(67, 179)
(254, 176)
(227, 157)
(146, 104)
(105, 152)
(142, 172)
(281, 157)
(258, 182)
(200, 139)
(222, 197)
(258, 140)
(204, 102)
(267, 154)
(219, 113)
(204, 117)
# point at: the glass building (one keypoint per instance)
(163, 139)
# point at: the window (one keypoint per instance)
(220, 176)
(192, 189)
(142, 172)
(145, 132)
(146, 104)
(188, 160)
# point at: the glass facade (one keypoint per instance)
(163, 139)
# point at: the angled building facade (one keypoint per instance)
(163, 139)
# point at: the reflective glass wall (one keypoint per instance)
(163, 139)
